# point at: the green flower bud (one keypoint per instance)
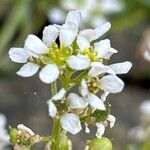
(99, 144)
(13, 135)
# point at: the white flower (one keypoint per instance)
(71, 123)
(100, 130)
(87, 99)
(51, 106)
(102, 8)
(110, 83)
(84, 40)
(4, 137)
(35, 48)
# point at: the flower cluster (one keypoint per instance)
(94, 12)
(77, 59)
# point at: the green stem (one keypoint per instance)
(56, 130)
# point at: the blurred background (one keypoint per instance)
(23, 100)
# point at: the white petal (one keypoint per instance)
(59, 95)
(18, 55)
(52, 110)
(99, 68)
(111, 83)
(121, 68)
(83, 43)
(49, 73)
(100, 130)
(71, 123)
(84, 88)
(3, 120)
(112, 120)
(102, 47)
(110, 52)
(104, 96)
(50, 34)
(146, 55)
(26, 129)
(88, 34)
(28, 70)
(102, 29)
(74, 17)
(35, 45)
(79, 62)
(76, 101)
(96, 102)
(68, 33)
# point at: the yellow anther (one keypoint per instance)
(91, 55)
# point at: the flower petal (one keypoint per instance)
(35, 45)
(79, 62)
(18, 55)
(99, 68)
(68, 33)
(3, 120)
(83, 43)
(146, 55)
(59, 95)
(50, 34)
(74, 17)
(112, 120)
(49, 73)
(84, 88)
(76, 101)
(22, 127)
(88, 34)
(102, 29)
(102, 48)
(96, 102)
(28, 70)
(71, 123)
(121, 68)
(52, 110)
(100, 130)
(111, 83)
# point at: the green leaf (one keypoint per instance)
(101, 115)
(100, 144)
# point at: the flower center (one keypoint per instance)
(59, 55)
(93, 85)
(91, 55)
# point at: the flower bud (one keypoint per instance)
(99, 144)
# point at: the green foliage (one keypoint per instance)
(101, 115)
(146, 145)
(100, 144)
